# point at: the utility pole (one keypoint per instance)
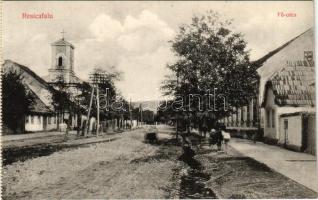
(98, 106)
(96, 79)
(130, 113)
(89, 112)
(140, 110)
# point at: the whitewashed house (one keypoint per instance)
(42, 116)
(287, 94)
(289, 104)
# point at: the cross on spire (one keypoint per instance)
(63, 33)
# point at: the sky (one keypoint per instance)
(133, 36)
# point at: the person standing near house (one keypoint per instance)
(67, 121)
(212, 138)
(226, 136)
(204, 126)
(219, 137)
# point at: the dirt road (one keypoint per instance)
(129, 168)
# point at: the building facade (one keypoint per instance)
(287, 87)
(41, 109)
(289, 100)
(42, 116)
(285, 105)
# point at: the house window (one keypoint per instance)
(248, 114)
(255, 112)
(273, 118)
(285, 124)
(54, 120)
(60, 62)
(39, 119)
(49, 120)
(242, 115)
(308, 55)
(27, 119)
(268, 118)
(32, 119)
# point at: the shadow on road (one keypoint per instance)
(15, 154)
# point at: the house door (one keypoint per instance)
(304, 140)
(311, 135)
(286, 131)
(44, 123)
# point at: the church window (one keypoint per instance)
(60, 61)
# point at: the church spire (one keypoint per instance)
(63, 34)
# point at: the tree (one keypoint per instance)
(16, 101)
(165, 112)
(105, 81)
(212, 59)
(63, 102)
(148, 116)
(112, 104)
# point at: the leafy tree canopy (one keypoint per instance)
(16, 100)
(211, 57)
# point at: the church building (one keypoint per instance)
(42, 116)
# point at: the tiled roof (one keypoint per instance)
(258, 63)
(294, 84)
(74, 79)
(37, 106)
(27, 70)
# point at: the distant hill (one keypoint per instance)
(146, 105)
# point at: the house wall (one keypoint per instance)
(311, 140)
(270, 116)
(37, 124)
(34, 123)
(51, 123)
(292, 136)
(274, 132)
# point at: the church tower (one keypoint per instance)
(62, 68)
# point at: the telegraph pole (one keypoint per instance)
(130, 113)
(89, 112)
(96, 79)
(98, 106)
(140, 109)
